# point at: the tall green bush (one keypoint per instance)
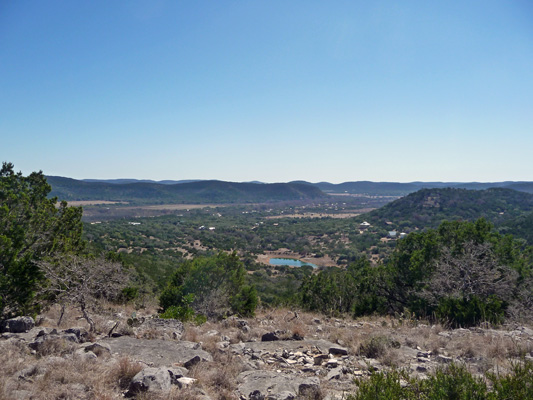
(217, 285)
(33, 228)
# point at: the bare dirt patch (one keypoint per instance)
(323, 214)
(182, 206)
(91, 214)
(77, 203)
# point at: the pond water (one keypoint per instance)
(290, 261)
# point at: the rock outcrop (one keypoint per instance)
(158, 352)
(17, 325)
(256, 385)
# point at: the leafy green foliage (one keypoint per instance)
(383, 386)
(463, 273)
(351, 290)
(427, 208)
(32, 229)
(470, 312)
(183, 312)
(518, 385)
(452, 383)
(520, 226)
(129, 293)
(211, 286)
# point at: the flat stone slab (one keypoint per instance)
(255, 385)
(157, 352)
(322, 346)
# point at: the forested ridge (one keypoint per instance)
(189, 192)
(427, 208)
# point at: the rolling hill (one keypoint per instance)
(403, 189)
(427, 208)
(192, 192)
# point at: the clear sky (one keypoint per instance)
(268, 90)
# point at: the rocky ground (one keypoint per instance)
(277, 355)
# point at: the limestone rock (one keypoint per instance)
(99, 349)
(81, 333)
(17, 325)
(338, 350)
(172, 327)
(255, 385)
(269, 337)
(41, 338)
(443, 359)
(157, 352)
(335, 373)
(150, 380)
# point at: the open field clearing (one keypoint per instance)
(95, 212)
(77, 203)
(322, 215)
(182, 206)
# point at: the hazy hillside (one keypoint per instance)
(427, 208)
(403, 189)
(123, 181)
(521, 226)
(192, 192)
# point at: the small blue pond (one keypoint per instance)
(290, 261)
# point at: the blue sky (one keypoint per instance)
(268, 90)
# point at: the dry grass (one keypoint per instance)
(123, 372)
(45, 375)
(55, 347)
(219, 378)
(55, 371)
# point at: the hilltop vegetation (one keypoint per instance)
(188, 193)
(427, 208)
(210, 191)
(520, 226)
(462, 273)
(403, 189)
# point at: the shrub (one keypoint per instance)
(462, 312)
(376, 346)
(216, 285)
(517, 386)
(32, 229)
(452, 383)
(382, 385)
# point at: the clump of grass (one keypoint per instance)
(219, 377)
(123, 372)
(374, 347)
(55, 347)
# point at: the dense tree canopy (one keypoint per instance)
(212, 286)
(32, 228)
(462, 273)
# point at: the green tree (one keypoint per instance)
(216, 283)
(463, 272)
(33, 228)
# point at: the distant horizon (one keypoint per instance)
(291, 181)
